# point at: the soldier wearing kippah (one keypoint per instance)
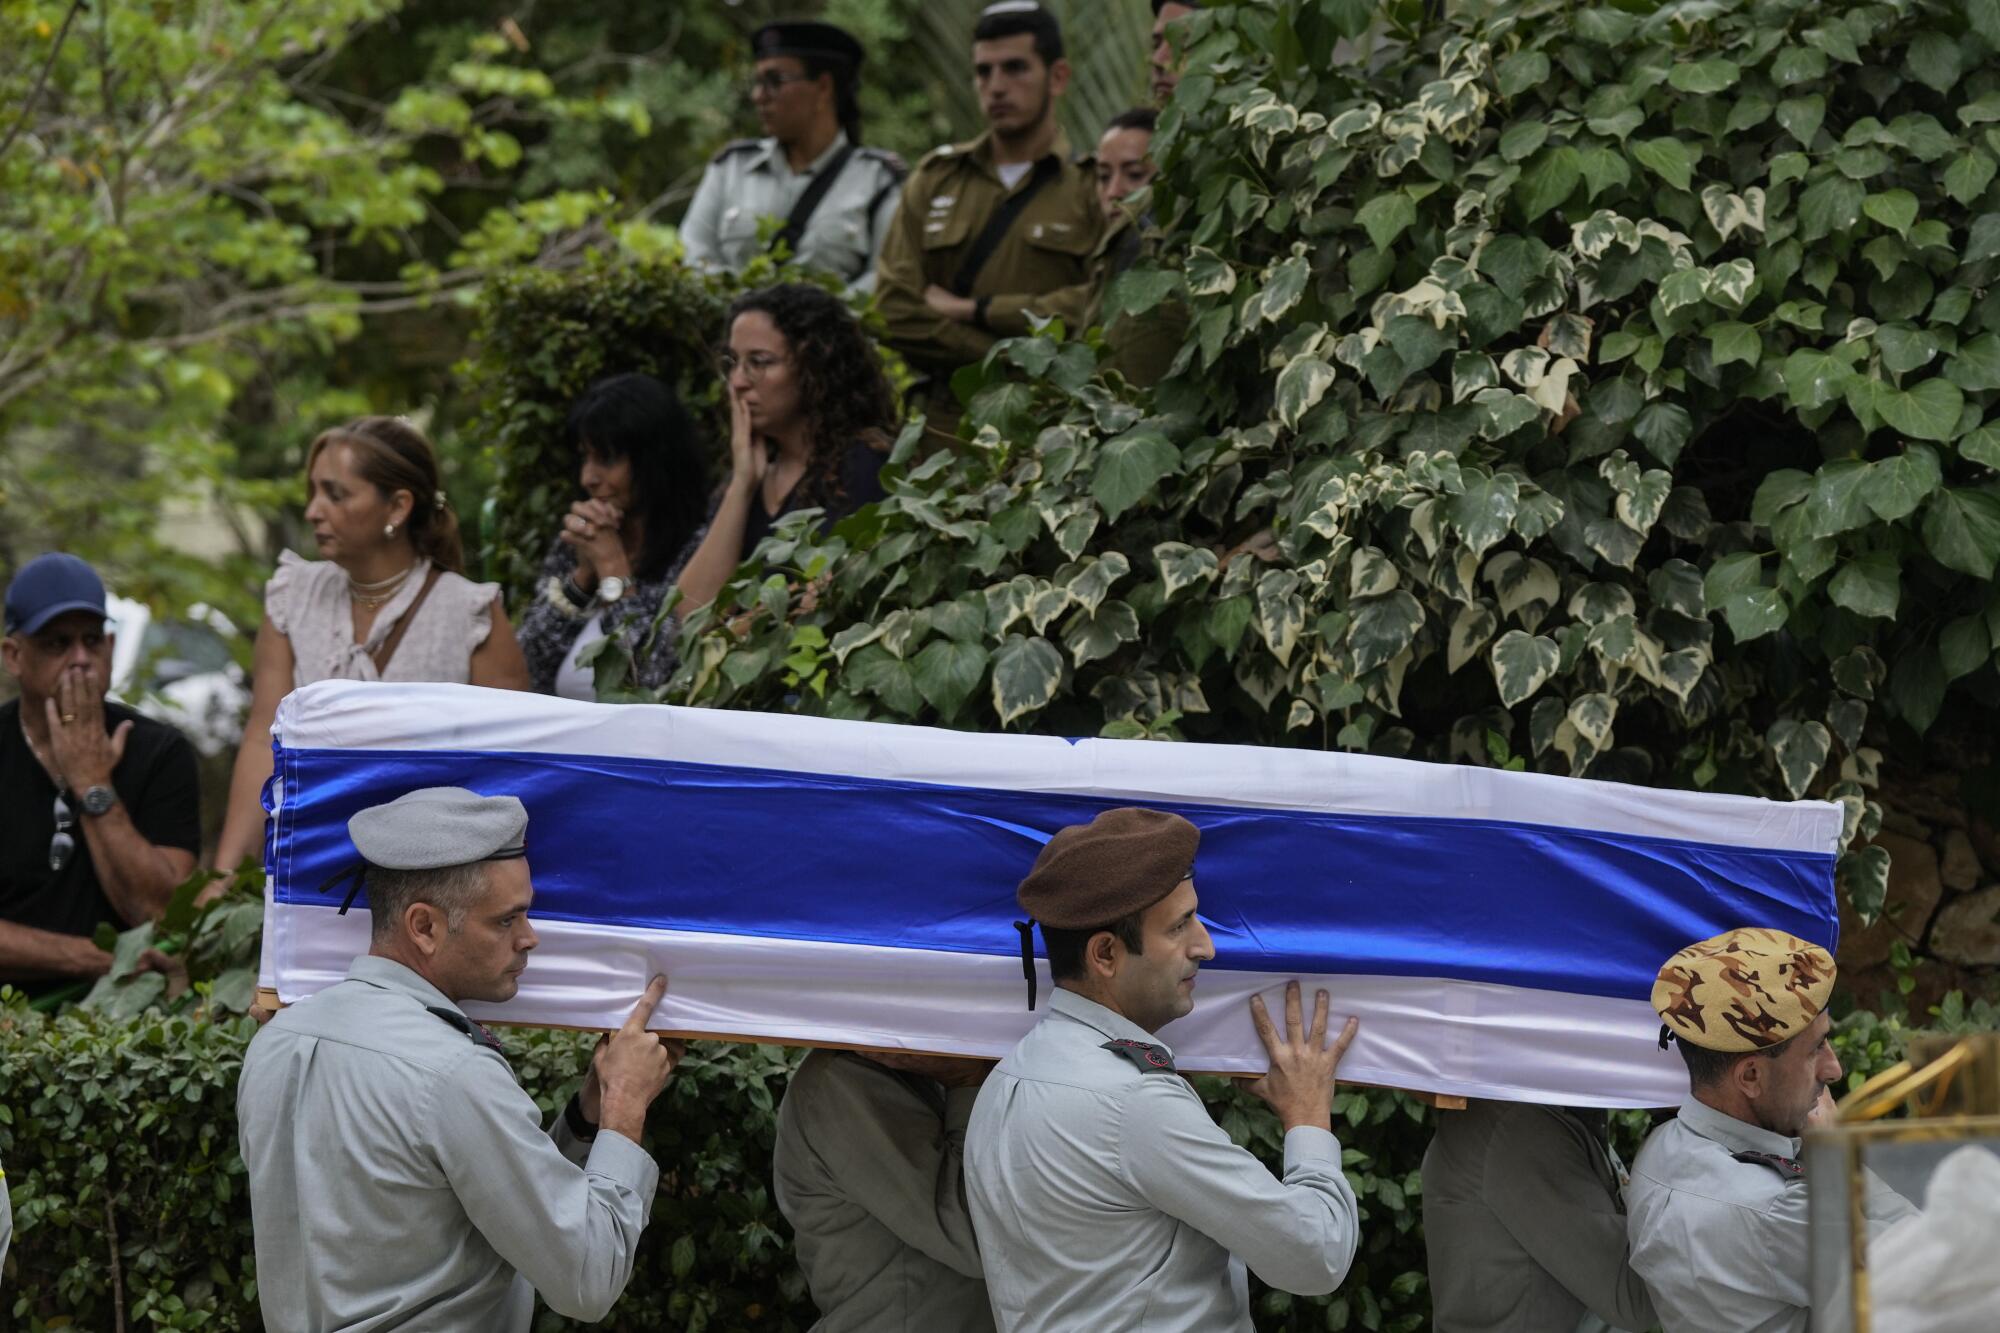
(1718, 1196)
(811, 171)
(1104, 1196)
(399, 1176)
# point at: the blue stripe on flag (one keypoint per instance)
(666, 845)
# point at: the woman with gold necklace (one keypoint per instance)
(387, 602)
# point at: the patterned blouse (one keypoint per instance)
(549, 632)
(308, 603)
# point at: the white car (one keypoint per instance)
(180, 672)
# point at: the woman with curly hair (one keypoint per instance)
(810, 415)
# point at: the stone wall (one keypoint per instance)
(1943, 902)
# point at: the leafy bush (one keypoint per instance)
(119, 1137)
(1612, 382)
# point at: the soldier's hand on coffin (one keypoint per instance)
(631, 1067)
(953, 1071)
(1300, 1085)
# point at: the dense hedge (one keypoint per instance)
(120, 1144)
(119, 1138)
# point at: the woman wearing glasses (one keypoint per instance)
(644, 479)
(810, 417)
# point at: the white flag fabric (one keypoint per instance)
(849, 883)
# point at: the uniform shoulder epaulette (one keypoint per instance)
(1151, 1059)
(942, 153)
(1789, 1168)
(475, 1032)
(893, 161)
(735, 146)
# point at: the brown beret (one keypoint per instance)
(1121, 862)
(1743, 990)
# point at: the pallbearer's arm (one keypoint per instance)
(572, 1231)
(1298, 1234)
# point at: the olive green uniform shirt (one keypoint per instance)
(870, 1172)
(400, 1178)
(1142, 348)
(752, 179)
(1524, 1220)
(1041, 265)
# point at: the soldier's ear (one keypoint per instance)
(1101, 953)
(425, 924)
(1751, 1076)
(1059, 77)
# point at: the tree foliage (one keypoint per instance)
(185, 200)
(1612, 383)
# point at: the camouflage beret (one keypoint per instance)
(1121, 862)
(1744, 990)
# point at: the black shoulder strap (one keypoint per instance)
(477, 1033)
(998, 225)
(1787, 1167)
(1151, 1059)
(794, 229)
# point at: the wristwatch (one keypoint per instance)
(610, 588)
(99, 800)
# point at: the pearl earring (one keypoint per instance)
(389, 530)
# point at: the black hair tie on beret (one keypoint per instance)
(1027, 929)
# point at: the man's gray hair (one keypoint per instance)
(451, 889)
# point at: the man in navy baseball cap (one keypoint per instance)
(100, 808)
(48, 586)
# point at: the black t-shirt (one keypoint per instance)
(860, 484)
(158, 783)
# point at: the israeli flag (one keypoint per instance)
(847, 883)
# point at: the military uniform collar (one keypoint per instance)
(1094, 1015)
(980, 150)
(772, 153)
(1734, 1135)
(388, 974)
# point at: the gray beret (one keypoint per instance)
(435, 827)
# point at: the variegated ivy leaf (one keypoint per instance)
(1681, 670)
(1522, 664)
(1370, 573)
(1521, 584)
(1800, 749)
(1595, 603)
(1470, 630)
(1006, 603)
(1552, 393)
(1097, 633)
(902, 628)
(1328, 508)
(1261, 678)
(1569, 335)
(1026, 675)
(1406, 132)
(1502, 412)
(1614, 541)
(1382, 628)
(1640, 495)
(1525, 366)
(1592, 716)
(1729, 284)
(1484, 511)
(1048, 602)
(1352, 350)
(1728, 211)
(1471, 372)
(1343, 127)
(1281, 612)
(1683, 288)
(1281, 292)
(1184, 566)
(1088, 581)
(1427, 522)
(1301, 715)
(1300, 387)
(854, 636)
(1209, 274)
(1595, 235)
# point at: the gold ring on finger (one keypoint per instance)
(69, 717)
